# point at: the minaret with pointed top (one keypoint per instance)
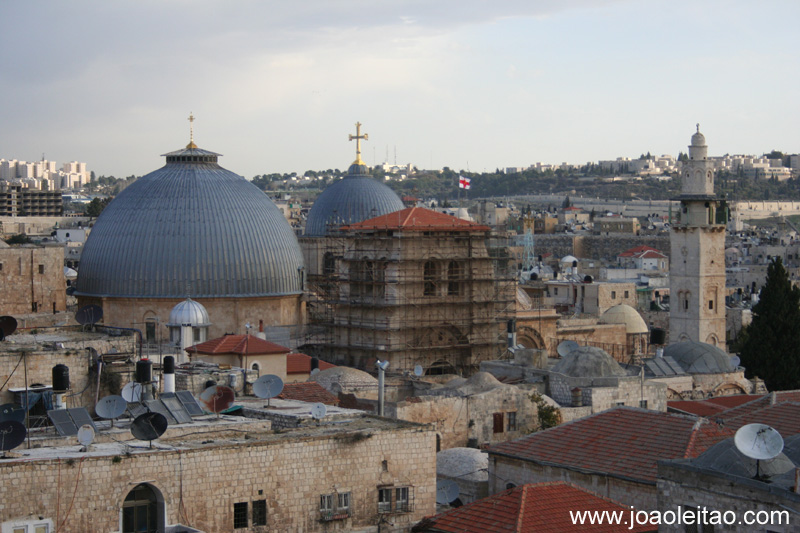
(697, 260)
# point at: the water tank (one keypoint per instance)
(61, 378)
(169, 364)
(144, 371)
(587, 279)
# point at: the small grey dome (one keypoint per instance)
(189, 312)
(589, 362)
(191, 228)
(468, 464)
(724, 457)
(699, 358)
(344, 379)
(354, 198)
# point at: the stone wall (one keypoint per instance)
(597, 246)
(32, 280)
(607, 392)
(200, 485)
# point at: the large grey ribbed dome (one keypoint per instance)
(352, 199)
(191, 228)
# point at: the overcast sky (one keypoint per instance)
(276, 86)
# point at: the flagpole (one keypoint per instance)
(459, 196)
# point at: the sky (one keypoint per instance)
(277, 86)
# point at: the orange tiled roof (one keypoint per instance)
(300, 363)
(309, 391)
(624, 442)
(239, 345)
(711, 406)
(416, 219)
(531, 508)
(638, 250)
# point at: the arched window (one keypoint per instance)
(328, 264)
(455, 273)
(429, 278)
(143, 510)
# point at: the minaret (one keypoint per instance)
(697, 261)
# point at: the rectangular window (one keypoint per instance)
(626, 294)
(643, 404)
(41, 269)
(401, 499)
(326, 503)
(240, 515)
(497, 423)
(343, 505)
(613, 295)
(384, 500)
(686, 304)
(150, 332)
(260, 513)
(711, 304)
(1, 267)
(555, 291)
(512, 421)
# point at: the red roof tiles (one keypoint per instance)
(300, 363)
(309, 391)
(711, 406)
(532, 508)
(638, 250)
(624, 442)
(416, 219)
(239, 345)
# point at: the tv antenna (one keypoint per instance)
(760, 442)
(111, 407)
(89, 315)
(10, 411)
(217, 398)
(8, 325)
(149, 426)
(418, 370)
(132, 392)
(12, 434)
(318, 411)
(85, 436)
(566, 347)
(447, 491)
(268, 386)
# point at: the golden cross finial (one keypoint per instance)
(358, 138)
(191, 144)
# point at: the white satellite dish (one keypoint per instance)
(566, 347)
(735, 361)
(85, 435)
(758, 441)
(418, 370)
(318, 411)
(111, 407)
(446, 491)
(268, 386)
(132, 392)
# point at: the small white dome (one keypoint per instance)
(568, 259)
(189, 312)
(625, 314)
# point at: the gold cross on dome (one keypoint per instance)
(358, 138)
(191, 132)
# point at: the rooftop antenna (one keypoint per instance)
(8, 325)
(566, 347)
(447, 491)
(12, 434)
(268, 386)
(111, 407)
(85, 436)
(217, 398)
(149, 426)
(89, 315)
(318, 411)
(418, 370)
(759, 442)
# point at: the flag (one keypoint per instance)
(463, 183)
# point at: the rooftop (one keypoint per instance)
(309, 391)
(416, 219)
(238, 344)
(300, 363)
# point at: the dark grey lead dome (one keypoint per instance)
(191, 228)
(354, 198)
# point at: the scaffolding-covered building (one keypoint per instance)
(414, 287)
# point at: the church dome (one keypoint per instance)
(625, 314)
(189, 312)
(588, 362)
(699, 358)
(191, 228)
(468, 464)
(356, 197)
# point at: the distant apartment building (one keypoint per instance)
(616, 225)
(43, 175)
(19, 201)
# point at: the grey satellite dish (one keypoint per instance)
(446, 491)
(268, 386)
(314, 372)
(318, 411)
(735, 361)
(132, 392)
(8, 325)
(86, 435)
(111, 407)
(758, 441)
(566, 347)
(10, 411)
(217, 398)
(12, 434)
(89, 314)
(418, 370)
(149, 426)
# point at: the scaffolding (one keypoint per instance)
(438, 298)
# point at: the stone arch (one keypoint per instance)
(440, 367)
(712, 339)
(530, 338)
(143, 509)
(729, 388)
(150, 320)
(683, 337)
(672, 394)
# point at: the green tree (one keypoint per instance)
(96, 206)
(770, 345)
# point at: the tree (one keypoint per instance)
(770, 346)
(96, 206)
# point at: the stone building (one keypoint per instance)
(19, 201)
(243, 351)
(32, 279)
(697, 256)
(414, 287)
(466, 467)
(194, 229)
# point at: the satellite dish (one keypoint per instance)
(86, 435)
(735, 361)
(268, 386)
(418, 370)
(149, 426)
(111, 406)
(132, 392)
(12, 434)
(758, 441)
(446, 491)
(314, 372)
(318, 411)
(566, 347)
(217, 398)
(9, 411)
(89, 314)
(8, 325)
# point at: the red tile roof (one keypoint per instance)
(300, 363)
(309, 391)
(623, 442)
(637, 250)
(239, 345)
(532, 508)
(780, 409)
(416, 219)
(711, 406)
